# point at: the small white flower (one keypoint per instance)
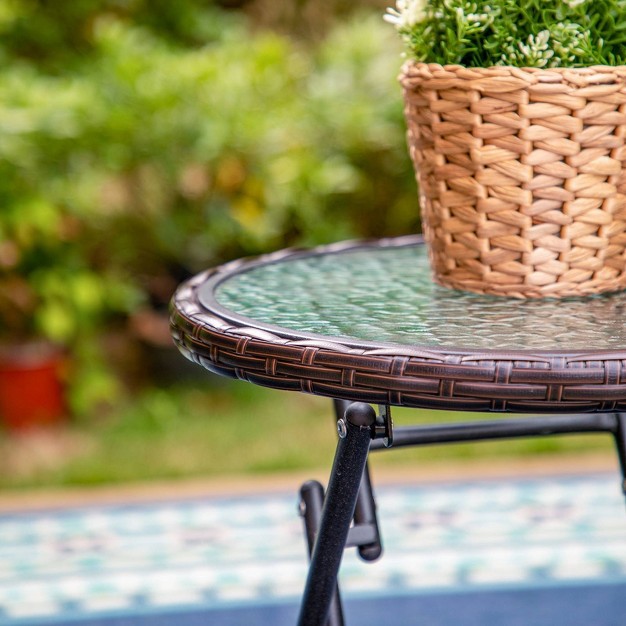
(568, 41)
(406, 14)
(572, 4)
(541, 40)
(535, 52)
(470, 19)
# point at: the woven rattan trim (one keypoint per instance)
(394, 375)
(522, 177)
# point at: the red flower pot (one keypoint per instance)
(31, 386)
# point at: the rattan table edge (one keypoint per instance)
(521, 381)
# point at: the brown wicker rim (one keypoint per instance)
(521, 175)
(470, 380)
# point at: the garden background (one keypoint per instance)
(141, 142)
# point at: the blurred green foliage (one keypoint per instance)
(141, 142)
(169, 434)
(54, 34)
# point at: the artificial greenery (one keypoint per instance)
(520, 33)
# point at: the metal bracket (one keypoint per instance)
(383, 427)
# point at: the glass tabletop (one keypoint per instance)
(386, 295)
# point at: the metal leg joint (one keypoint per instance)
(383, 428)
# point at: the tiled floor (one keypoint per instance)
(62, 566)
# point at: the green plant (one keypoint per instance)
(521, 33)
(242, 153)
(58, 36)
(52, 287)
(153, 156)
(49, 286)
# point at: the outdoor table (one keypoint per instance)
(363, 323)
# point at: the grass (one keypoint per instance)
(230, 428)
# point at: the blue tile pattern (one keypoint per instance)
(201, 554)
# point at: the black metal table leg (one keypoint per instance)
(619, 436)
(365, 508)
(312, 503)
(347, 499)
(355, 432)
(365, 517)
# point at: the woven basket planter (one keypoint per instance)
(522, 176)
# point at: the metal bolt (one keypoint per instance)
(342, 429)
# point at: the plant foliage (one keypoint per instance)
(521, 33)
(136, 152)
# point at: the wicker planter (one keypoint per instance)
(522, 177)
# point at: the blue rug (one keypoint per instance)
(536, 552)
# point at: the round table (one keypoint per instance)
(362, 322)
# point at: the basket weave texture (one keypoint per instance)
(522, 176)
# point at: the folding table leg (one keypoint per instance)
(619, 435)
(365, 517)
(355, 432)
(312, 503)
(365, 509)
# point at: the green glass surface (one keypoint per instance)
(387, 295)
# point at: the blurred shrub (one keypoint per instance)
(148, 159)
(305, 19)
(57, 34)
(210, 154)
(52, 285)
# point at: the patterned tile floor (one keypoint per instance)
(61, 566)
